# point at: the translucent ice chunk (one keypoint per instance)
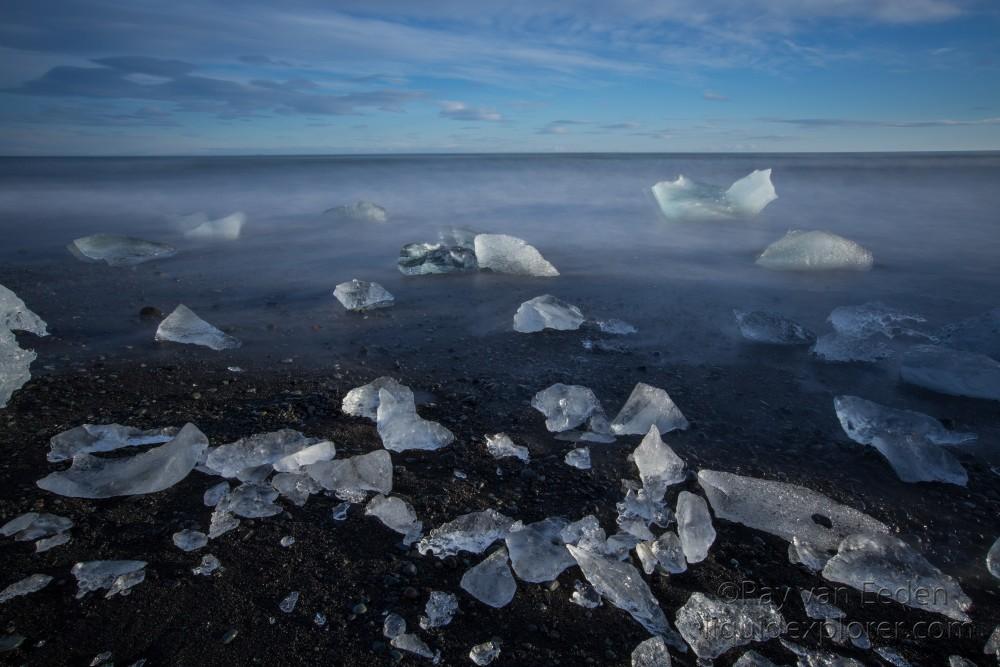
(651, 653)
(418, 259)
(578, 458)
(26, 586)
(287, 605)
(16, 316)
(183, 326)
(547, 312)
(117, 250)
(567, 406)
(815, 251)
(979, 334)
(501, 446)
(401, 429)
(97, 574)
(838, 348)
(952, 372)
(413, 644)
(254, 501)
(712, 627)
(802, 553)
(508, 254)
(785, 510)
(585, 595)
(665, 553)
(393, 626)
(363, 401)
(149, 472)
(222, 229)
(659, 467)
(915, 459)
(472, 532)
(359, 211)
(771, 328)
(694, 526)
(91, 438)
(215, 493)
(295, 486)
(190, 540)
(321, 451)
(14, 366)
(207, 566)
(885, 564)
(396, 514)
(993, 559)
(360, 295)
(34, 525)
(47, 543)
(491, 582)
(537, 552)
(439, 610)
(259, 449)
(684, 199)
(647, 406)
(351, 478)
(873, 318)
(863, 420)
(485, 653)
(622, 585)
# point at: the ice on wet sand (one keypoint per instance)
(472, 532)
(359, 211)
(363, 401)
(183, 326)
(712, 627)
(509, 254)
(259, 449)
(694, 526)
(401, 429)
(360, 295)
(769, 328)
(207, 566)
(117, 576)
(485, 653)
(500, 446)
(537, 552)
(491, 581)
(16, 316)
(90, 438)
(190, 540)
(684, 199)
(396, 514)
(547, 312)
(647, 406)
(26, 586)
(569, 406)
(815, 251)
(952, 372)
(993, 559)
(149, 472)
(115, 250)
(659, 467)
(417, 259)
(34, 525)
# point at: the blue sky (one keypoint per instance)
(93, 77)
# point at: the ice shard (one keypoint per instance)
(351, 478)
(500, 446)
(889, 567)
(547, 312)
(472, 532)
(979, 334)
(578, 458)
(259, 449)
(360, 295)
(413, 644)
(952, 372)
(227, 228)
(815, 251)
(117, 250)
(537, 552)
(295, 486)
(615, 327)
(439, 610)
(26, 586)
(712, 627)
(761, 326)
(418, 259)
(684, 199)
(694, 527)
(183, 326)
(785, 510)
(659, 467)
(401, 429)
(91, 438)
(664, 553)
(253, 501)
(359, 211)
(396, 514)
(509, 254)
(647, 406)
(485, 653)
(115, 575)
(149, 472)
(651, 653)
(753, 659)
(16, 316)
(490, 581)
(363, 401)
(584, 595)
(567, 406)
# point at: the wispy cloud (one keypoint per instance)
(855, 122)
(462, 111)
(713, 96)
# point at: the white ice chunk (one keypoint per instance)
(694, 526)
(359, 211)
(753, 659)
(401, 429)
(659, 467)
(396, 514)
(684, 199)
(785, 510)
(439, 610)
(363, 401)
(47, 543)
(578, 458)
(508, 254)
(190, 540)
(888, 566)
(802, 553)
(761, 326)
(500, 446)
(183, 326)
(815, 251)
(485, 653)
(490, 581)
(259, 449)
(115, 575)
(419, 259)
(647, 406)
(651, 653)
(117, 250)
(352, 478)
(215, 493)
(26, 586)
(227, 228)
(91, 438)
(712, 627)
(547, 312)
(321, 451)
(622, 585)
(472, 532)
(360, 295)
(567, 406)
(664, 553)
(952, 372)
(585, 533)
(149, 472)
(537, 552)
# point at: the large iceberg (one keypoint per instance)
(815, 251)
(547, 312)
(91, 438)
(359, 211)
(509, 254)
(360, 295)
(952, 372)
(183, 326)
(401, 428)
(228, 228)
(647, 406)
(149, 472)
(417, 259)
(761, 326)
(684, 199)
(117, 250)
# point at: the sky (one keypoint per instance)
(201, 77)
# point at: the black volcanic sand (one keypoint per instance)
(752, 418)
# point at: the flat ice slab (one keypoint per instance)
(684, 199)
(360, 295)
(90, 438)
(815, 251)
(647, 406)
(183, 326)
(547, 312)
(115, 250)
(952, 372)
